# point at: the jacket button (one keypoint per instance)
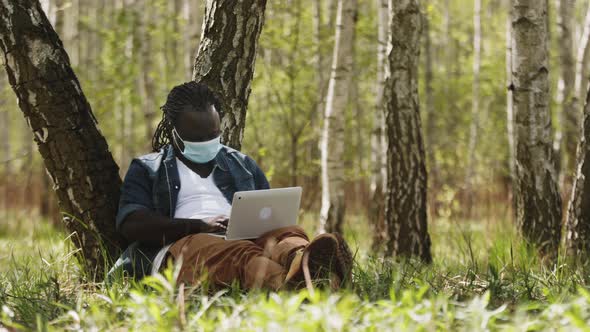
(176, 187)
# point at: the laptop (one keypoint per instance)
(256, 212)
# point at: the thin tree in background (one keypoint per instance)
(147, 86)
(332, 140)
(5, 130)
(320, 67)
(226, 56)
(75, 153)
(192, 14)
(582, 57)
(406, 173)
(577, 235)
(538, 203)
(474, 126)
(378, 143)
(509, 102)
(429, 111)
(567, 136)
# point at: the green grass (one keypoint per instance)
(482, 278)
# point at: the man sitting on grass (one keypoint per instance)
(172, 198)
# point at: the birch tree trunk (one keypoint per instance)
(406, 173)
(75, 153)
(147, 85)
(577, 236)
(226, 56)
(473, 130)
(509, 103)
(193, 16)
(583, 54)
(5, 150)
(566, 94)
(538, 203)
(320, 68)
(332, 141)
(376, 203)
(430, 112)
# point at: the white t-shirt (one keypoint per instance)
(199, 198)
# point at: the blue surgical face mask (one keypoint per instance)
(198, 152)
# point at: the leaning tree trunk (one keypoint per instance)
(578, 216)
(376, 203)
(406, 174)
(538, 203)
(332, 140)
(75, 153)
(226, 56)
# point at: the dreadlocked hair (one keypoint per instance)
(187, 97)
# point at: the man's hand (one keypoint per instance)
(216, 224)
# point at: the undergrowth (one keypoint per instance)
(482, 278)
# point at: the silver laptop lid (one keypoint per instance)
(256, 212)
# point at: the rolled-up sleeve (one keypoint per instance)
(136, 192)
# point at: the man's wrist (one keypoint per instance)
(192, 226)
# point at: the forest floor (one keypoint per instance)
(481, 279)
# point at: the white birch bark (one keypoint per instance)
(378, 171)
(320, 67)
(582, 56)
(332, 141)
(192, 12)
(567, 132)
(147, 84)
(430, 112)
(577, 237)
(538, 203)
(509, 103)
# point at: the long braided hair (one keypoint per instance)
(187, 97)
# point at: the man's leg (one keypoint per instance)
(226, 262)
(326, 254)
(281, 244)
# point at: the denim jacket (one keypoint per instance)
(152, 182)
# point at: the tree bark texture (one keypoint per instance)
(538, 203)
(332, 140)
(406, 174)
(75, 153)
(569, 118)
(378, 170)
(226, 56)
(578, 216)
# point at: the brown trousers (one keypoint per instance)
(259, 263)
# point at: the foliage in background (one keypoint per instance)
(283, 121)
